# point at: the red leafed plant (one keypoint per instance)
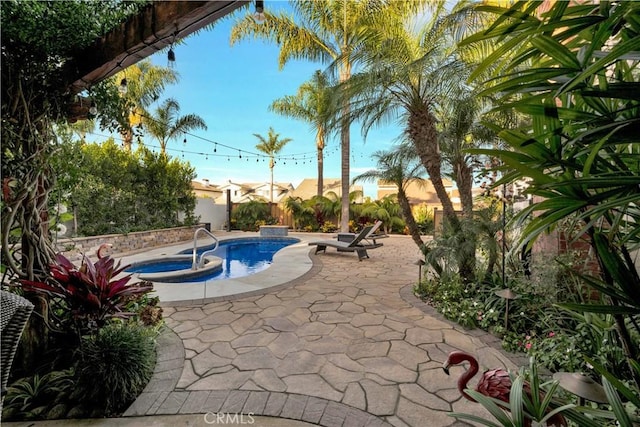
(93, 293)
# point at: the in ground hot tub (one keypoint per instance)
(274, 230)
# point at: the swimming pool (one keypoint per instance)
(239, 257)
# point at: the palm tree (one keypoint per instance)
(387, 210)
(145, 83)
(408, 74)
(312, 104)
(271, 146)
(167, 124)
(579, 149)
(332, 32)
(400, 168)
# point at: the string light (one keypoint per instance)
(298, 157)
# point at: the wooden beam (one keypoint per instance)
(152, 29)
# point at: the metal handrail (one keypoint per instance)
(195, 264)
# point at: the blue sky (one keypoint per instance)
(231, 88)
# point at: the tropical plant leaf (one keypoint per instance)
(622, 417)
(619, 385)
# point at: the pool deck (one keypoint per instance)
(316, 340)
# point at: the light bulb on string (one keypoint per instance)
(184, 141)
(215, 148)
(259, 16)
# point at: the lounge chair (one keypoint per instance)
(354, 245)
(370, 238)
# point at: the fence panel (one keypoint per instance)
(277, 211)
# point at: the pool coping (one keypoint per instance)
(289, 263)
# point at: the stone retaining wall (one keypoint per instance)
(73, 248)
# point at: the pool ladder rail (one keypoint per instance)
(199, 264)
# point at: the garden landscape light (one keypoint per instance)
(582, 386)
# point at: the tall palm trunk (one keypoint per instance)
(271, 165)
(464, 180)
(405, 207)
(422, 132)
(345, 158)
(320, 157)
(344, 200)
(127, 139)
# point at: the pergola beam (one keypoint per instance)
(152, 29)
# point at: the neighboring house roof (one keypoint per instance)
(205, 189)
(309, 188)
(247, 191)
(421, 192)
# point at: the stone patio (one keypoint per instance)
(346, 343)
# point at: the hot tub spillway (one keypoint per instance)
(211, 265)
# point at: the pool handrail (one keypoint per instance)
(197, 264)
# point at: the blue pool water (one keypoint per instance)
(240, 257)
(160, 267)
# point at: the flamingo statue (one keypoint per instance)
(494, 383)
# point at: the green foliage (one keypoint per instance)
(114, 366)
(573, 71)
(166, 123)
(61, 28)
(90, 294)
(114, 191)
(248, 216)
(328, 227)
(424, 218)
(31, 398)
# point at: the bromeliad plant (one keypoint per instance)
(92, 293)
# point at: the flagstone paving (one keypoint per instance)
(346, 344)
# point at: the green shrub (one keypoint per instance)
(328, 227)
(115, 366)
(31, 398)
(248, 216)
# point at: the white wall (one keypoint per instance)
(208, 211)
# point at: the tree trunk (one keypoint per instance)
(127, 139)
(464, 180)
(320, 157)
(271, 165)
(422, 132)
(409, 219)
(345, 156)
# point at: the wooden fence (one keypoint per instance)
(277, 211)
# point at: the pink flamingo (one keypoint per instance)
(494, 383)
